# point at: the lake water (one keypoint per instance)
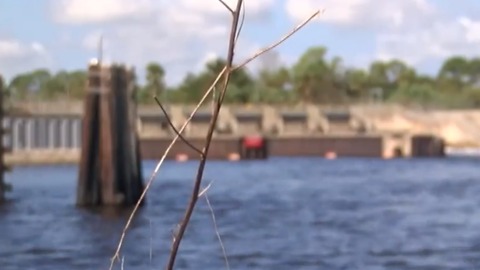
(364, 214)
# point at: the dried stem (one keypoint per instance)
(208, 139)
(226, 6)
(157, 168)
(225, 74)
(274, 45)
(240, 27)
(175, 129)
(217, 232)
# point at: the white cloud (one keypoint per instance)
(472, 29)
(209, 56)
(178, 34)
(255, 9)
(442, 39)
(182, 34)
(361, 13)
(416, 31)
(270, 61)
(17, 57)
(101, 11)
(13, 48)
(98, 11)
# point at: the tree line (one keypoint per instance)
(313, 79)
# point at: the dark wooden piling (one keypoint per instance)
(2, 148)
(110, 165)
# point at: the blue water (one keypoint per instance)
(275, 214)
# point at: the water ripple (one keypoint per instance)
(276, 214)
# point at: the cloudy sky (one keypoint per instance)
(183, 34)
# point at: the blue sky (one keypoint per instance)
(183, 34)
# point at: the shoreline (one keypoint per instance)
(72, 157)
(43, 157)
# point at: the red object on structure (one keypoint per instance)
(253, 142)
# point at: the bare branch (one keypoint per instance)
(208, 140)
(157, 168)
(175, 129)
(274, 45)
(205, 189)
(225, 74)
(226, 6)
(201, 167)
(242, 21)
(217, 232)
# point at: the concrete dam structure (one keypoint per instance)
(52, 130)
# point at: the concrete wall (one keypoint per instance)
(457, 128)
(265, 120)
(220, 148)
(350, 146)
(226, 147)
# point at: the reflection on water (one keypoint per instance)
(276, 214)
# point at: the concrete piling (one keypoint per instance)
(110, 163)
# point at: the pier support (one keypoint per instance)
(2, 182)
(110, 165)
(3, 150)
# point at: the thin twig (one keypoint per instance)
(217, 232)
(201, 166)
(242, 21)
(226, 6)
(205, 189)
(226, 74)
(151, 246)
(175, 129)
(274, 45)
(208, 140)
(157, 168)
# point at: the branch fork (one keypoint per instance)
(224, 75)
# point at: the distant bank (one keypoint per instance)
(459, 128)
(257, 147)
(357, 130)
(73, 157)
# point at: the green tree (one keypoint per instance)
(155, 86)
(313, 79)
(194, 86)
(456, 67)
(76, 83)
(419, 93)
(41, 84)
(357, 83)
(453, 76)
(274, 86)
(28, 84)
